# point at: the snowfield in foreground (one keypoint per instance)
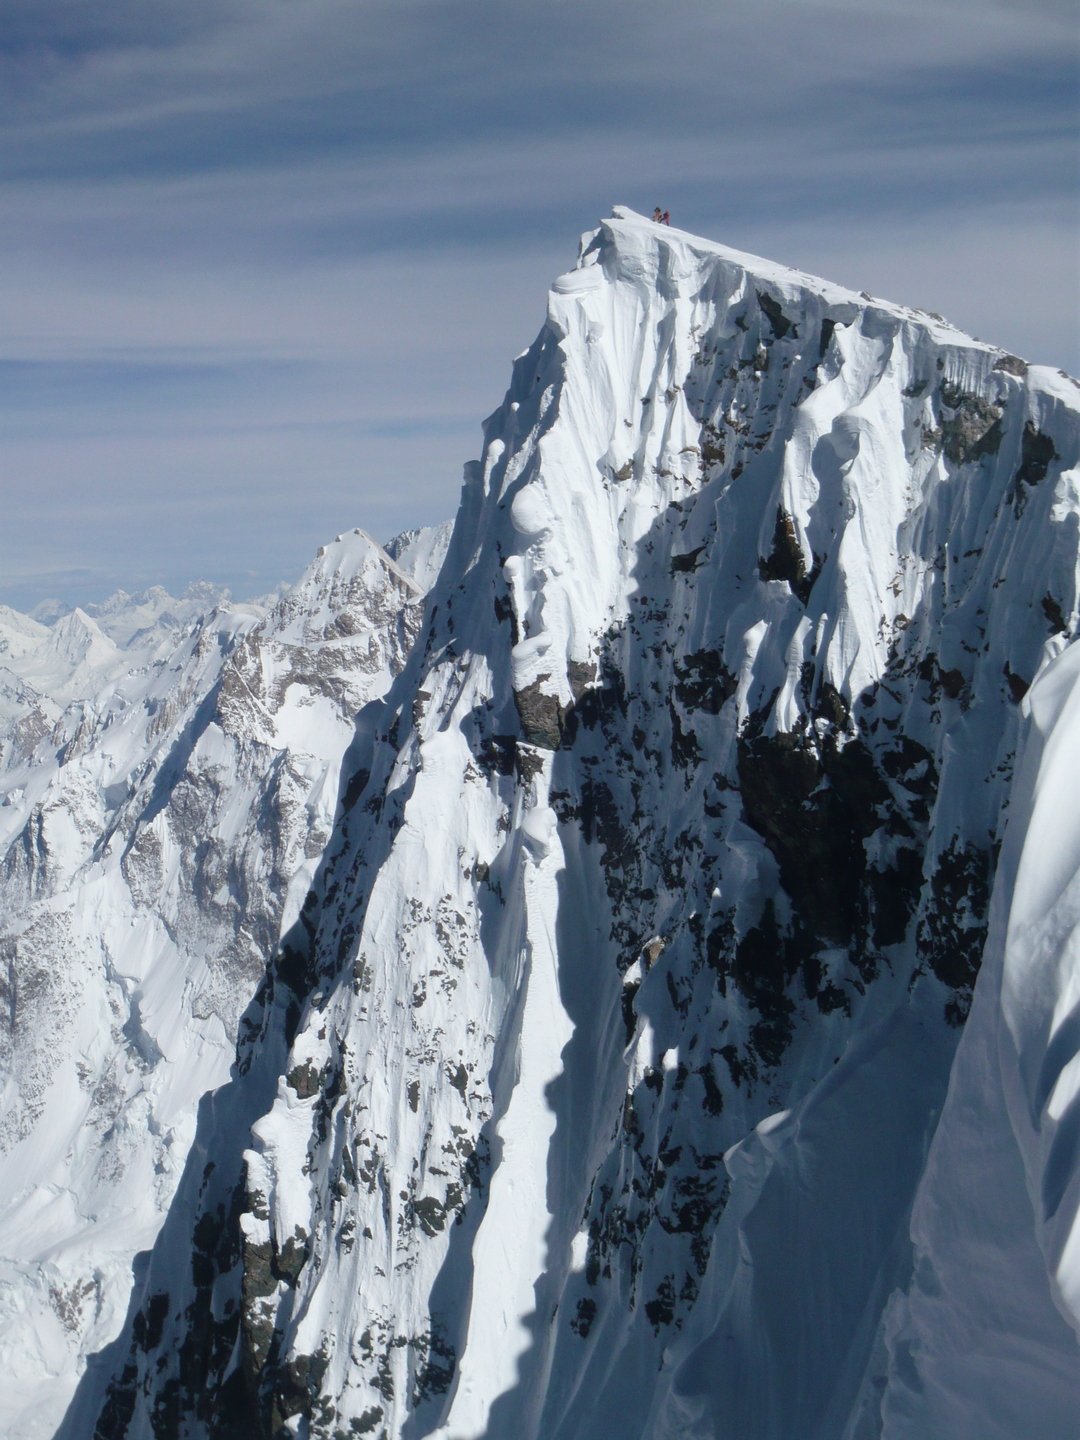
(650, 958)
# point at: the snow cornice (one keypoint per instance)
(666, 252)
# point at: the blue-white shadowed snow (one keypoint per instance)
(508, 1259)
(985, 1342)
(806, 1258)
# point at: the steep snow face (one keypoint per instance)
(155, 846)
(420, 553)
(591, 1094)
(994, 1306)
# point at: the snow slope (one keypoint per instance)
(994, 1307)
(155, 846)
(592, 1093)
(420, 553)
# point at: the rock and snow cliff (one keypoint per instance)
(156, 842)
(594, 1086)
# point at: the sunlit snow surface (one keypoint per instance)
(594, 1092)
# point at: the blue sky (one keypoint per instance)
(264, 264)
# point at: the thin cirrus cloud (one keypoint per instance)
(263, 265)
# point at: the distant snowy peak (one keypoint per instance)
(351, 584)
(77, 638)
(67, 660)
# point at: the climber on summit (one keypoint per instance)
(666, 217)
(658, 214)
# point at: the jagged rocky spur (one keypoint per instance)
(592, 1090)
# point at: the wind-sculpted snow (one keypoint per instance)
(590, 1093)
(154, 845)
(994, 1305)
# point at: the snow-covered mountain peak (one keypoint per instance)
(121, 600)
(71, 659)
(602, 1028)
(670, 355)
(667, 863)
(75, 634)
(351, 584)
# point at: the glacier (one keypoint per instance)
(628, 992)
